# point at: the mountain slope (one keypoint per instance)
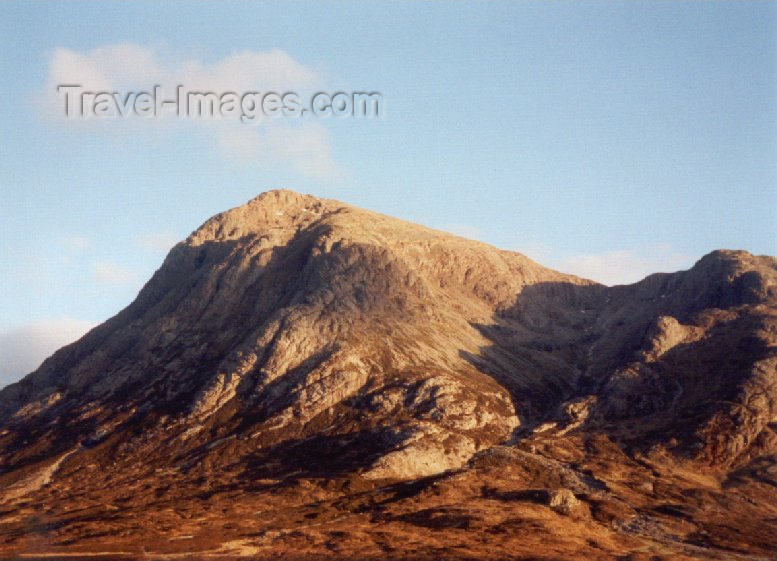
(301, 354)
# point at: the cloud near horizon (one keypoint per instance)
(624, 266)
(303, 145)
(23, 348)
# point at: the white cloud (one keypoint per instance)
(273, 70)
(128, 67)
(113, 273)
(624, 266)
(23, 348)
(104, 68)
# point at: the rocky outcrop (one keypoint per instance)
(284, 311)
(294, 351)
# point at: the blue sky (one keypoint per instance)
(606, 139)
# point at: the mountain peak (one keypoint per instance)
(276, 209)
(300, 354)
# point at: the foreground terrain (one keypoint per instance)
(302, 379)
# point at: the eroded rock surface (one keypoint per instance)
(398, 392)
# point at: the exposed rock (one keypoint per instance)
(564, 501)
(301, 376)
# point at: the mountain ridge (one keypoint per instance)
(301, 339)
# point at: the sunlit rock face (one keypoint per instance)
(302, 354)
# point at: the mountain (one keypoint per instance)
(302, 379)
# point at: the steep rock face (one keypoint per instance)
(300, 339)
(279, 311)
(700, 349)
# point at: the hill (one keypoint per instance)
(305, 379)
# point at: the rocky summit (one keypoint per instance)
(302, 379)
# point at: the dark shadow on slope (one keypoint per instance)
(560, 341)
(317, 457)
(538, 350)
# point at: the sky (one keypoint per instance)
(606, 139)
